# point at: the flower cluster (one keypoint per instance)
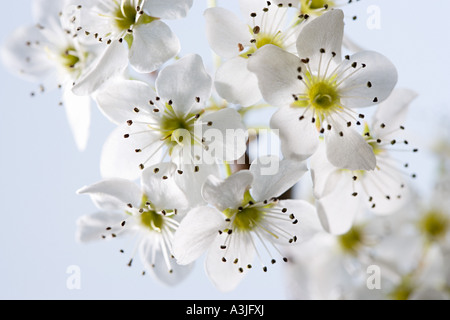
(177, 169)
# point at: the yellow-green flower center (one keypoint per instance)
(434, 225)
(323, 95)
(247, 217)
(125, 16)
(352, 240)
(152, 220)
(314, 6)
(70, 58)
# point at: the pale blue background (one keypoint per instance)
(40, 168)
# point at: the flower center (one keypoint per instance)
(434, 224)
(323, 95)
(125, 16)
(315, 6)
(152, 220)
(352, 240)
(69, 58)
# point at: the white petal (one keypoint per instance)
(228, 193)
(325, 32)
(236, 84)
(119, 157)
(347, 148)
(196, 233)
(113, 194)
(392, 112)
(323, 173)
(277, 73)
(299, 138)
(168, 9)
(184, 82)
(78, 111)
(226, 275)
(338, 210)
(225, 31)
(92, 227)
(159, 184)
(155, 262)
(273, 177)
(225, 134)
(308, 220)
(371, 80)
(112, 62)
(46, 12)
(192, 180)
(153, 44)
(119, 97)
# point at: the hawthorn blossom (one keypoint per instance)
(169, 122)
(342, 194)
(51, 54)
(150, 213)
(236, 40)
(317, 92)
(151, 42)
(244, 220)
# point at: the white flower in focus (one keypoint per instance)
(318, 92)
(51, 53)
(149, 213)
(245, 221)
(151, 42)
(169, 122)
(236, 40)
(342, 194)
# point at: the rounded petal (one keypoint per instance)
(347, 149)
(225, 134)
(325, 32)
(93, 227)
(236, 84)
(273, 177)
(119, 97)
(338, 210)
(195, 234)
(308, 220)
(113, 194)
(299, 138)
(322, 173)
(160, 265)
(153, 44)
(228, 193)
(112, 62)
(184, 82)
(168, 9)
(369, 81)
(392, 112)
(227, 275)
(159, 184)
(119, 157)
(78, 112)
(225, 31)
(277, 73)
